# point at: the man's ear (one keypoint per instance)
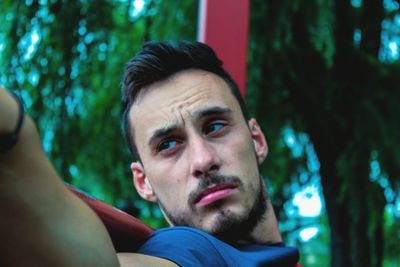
(141, 182)
(260, 143)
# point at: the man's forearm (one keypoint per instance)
(42, 223)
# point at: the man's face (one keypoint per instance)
(199, 156)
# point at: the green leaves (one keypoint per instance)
(72, 77)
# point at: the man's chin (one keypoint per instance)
(223, 223)
(228, 221)
(216, 215)
(233, 222)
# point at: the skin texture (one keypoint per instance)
(191, 135)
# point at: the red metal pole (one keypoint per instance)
(223, 25)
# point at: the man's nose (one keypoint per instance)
(204, 158)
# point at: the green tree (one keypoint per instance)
(66, 58)
(311, 73)
(314, 66)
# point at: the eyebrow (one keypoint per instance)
(159, 133)
(210, 111)
(199, 114)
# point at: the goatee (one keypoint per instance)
(228, 226)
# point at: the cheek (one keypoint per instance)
(169, 182)
(242, 153)
(243, 163)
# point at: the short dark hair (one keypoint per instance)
(157, 61)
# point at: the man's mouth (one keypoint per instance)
(214, 193)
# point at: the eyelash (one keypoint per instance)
(214, 123)
(165, 141)
(206, 131)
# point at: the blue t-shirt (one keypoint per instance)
(190, 247)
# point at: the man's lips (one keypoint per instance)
(214, 193)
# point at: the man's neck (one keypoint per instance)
(266, 231)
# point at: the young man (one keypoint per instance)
(197, 156)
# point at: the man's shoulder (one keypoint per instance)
(185, 235)
(172, 238)
(181, 231)
(189, 246)
(185, 246)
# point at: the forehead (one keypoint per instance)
(180, 96)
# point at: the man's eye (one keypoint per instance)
(214, 127)
(166, 145)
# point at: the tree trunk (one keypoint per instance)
(371, 26)
(360, 215)
(338, 216)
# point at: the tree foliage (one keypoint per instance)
(66, 58)
(319, 68)
(311, 73)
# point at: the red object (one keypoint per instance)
(127, 232)
(224, 26)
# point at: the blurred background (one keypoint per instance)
(323, 79)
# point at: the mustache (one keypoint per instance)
(213, 179)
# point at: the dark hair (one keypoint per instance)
(157, 61)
